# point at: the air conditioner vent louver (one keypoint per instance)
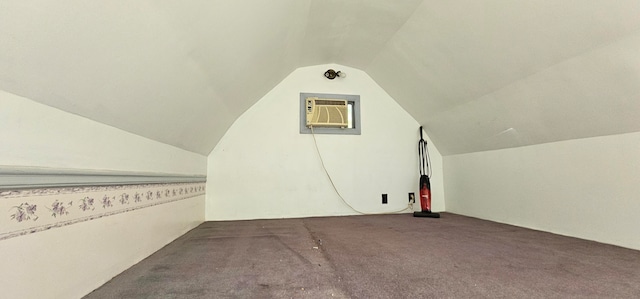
(329, 102)
(326, 113)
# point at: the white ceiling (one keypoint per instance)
(478, 74)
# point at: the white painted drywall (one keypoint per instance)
(465, 69)
(264, 168)
(548, 70)
(586, 188)
(35, 135)
(71, 261)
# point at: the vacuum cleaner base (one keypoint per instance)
(426, 214)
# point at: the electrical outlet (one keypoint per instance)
(412, 197)
(384, 199)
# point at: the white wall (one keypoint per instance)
(72, 260)
(586, 188)
(264, 168)
(39, 136)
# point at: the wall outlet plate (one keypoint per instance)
(412, 197)
(384, 199)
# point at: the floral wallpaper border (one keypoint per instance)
(35, 210)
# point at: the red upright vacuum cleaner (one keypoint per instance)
(425, 183)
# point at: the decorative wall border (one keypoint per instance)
(28, 211)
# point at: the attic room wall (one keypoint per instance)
(67, 250)
(585, 188)
(264, 168)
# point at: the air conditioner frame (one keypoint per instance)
(353, 100)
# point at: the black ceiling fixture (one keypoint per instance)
(331, 74)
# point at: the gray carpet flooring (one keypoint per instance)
(385, 256)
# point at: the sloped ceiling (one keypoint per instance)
(478, 74)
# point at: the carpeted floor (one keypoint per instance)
(386, 256)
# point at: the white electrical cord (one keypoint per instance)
(409, 206)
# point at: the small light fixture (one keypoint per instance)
(331, 74)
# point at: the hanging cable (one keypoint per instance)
(409, 206)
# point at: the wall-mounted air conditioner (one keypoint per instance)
(327, 113)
